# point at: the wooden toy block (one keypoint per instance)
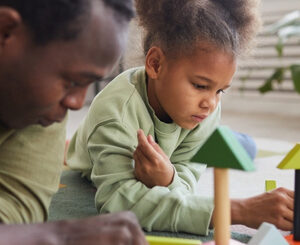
(292, 161)
(291, 241)
(231, 242)
(222, 150)
(221, 216)
(159, 240)
(270, 185)
(267, 234)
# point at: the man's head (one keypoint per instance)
(51, 50)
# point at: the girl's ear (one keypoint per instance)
(154, 61)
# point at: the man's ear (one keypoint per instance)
(154, 61)
(10, 19)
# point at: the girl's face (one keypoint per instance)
(186, 90)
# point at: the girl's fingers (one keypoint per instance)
(289, 215)
(290, 203)
(141, 157)
(155, 145)
(286, 225)
(290, 193)
(145, 147)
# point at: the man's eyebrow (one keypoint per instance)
(91, 76)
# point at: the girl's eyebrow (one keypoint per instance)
(210, 80)
(205, 78)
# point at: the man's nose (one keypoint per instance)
(74, 100)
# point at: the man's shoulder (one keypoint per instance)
(32, 132)
(5, 134)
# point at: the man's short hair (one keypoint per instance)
(50, 20)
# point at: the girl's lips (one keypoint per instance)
(199, 118)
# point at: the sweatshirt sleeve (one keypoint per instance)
(110, 149)
(31, 163)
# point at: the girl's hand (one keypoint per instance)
(275, 207)
(152, 166)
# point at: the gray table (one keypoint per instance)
(75, 199)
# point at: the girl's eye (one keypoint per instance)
(198, 86)
(220, 91)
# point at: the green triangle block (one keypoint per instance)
(222, 150)
(292, 159)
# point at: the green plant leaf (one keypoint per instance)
(277, 76)
(266, 87)
(279, 48)
(295, 69)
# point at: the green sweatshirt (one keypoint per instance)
(31, 161)
(102, 149)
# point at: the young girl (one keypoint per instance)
(191, 49)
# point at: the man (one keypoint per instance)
(50, 51)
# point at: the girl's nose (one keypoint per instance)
(209, 102)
